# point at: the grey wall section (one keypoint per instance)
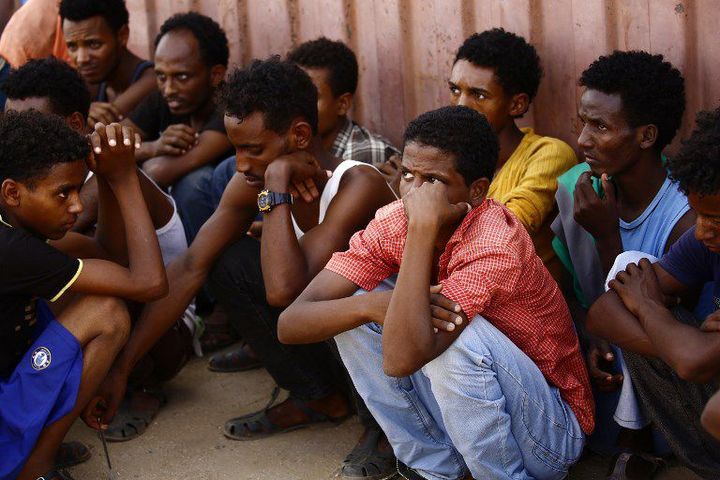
(405, 47)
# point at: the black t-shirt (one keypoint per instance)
(29, 269)
(153, 116)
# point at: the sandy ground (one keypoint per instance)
(186, 442)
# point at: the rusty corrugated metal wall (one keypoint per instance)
(405, 47)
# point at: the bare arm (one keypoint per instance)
(144, 279)
(166, 170)
(188, 272)
(289, 264)
(135, 93)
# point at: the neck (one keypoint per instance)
(119, 79)
(326, 160)
(637, 186)
(200, 116)
(328, 138)
(508, 140)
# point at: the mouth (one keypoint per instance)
(253, 180)
(175, 104)
(89, 72)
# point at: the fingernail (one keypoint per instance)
(435, 330)
(127, 142)
(97, 150)
(450, 327)
(112, 142)
(457, 308)
(458, 320)
(137, 145)
(329, 173)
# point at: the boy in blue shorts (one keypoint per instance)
(62, 320)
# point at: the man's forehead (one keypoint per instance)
(41, 104)
(90, 26)
(427, 158)
(249, 129)
(597, 102)
(178, 46)
(65, 173)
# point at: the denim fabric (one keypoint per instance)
(220, 178)
(192, 200)
(481, 406)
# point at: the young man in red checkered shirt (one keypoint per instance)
(505, 395)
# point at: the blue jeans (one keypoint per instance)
(481, 406)
(192, 200)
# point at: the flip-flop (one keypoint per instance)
(131, 420)
(257, 425)
(367, 462)
(56, 475)
(646, 466)
(71, 453)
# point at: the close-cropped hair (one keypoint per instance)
(651, 89)
(113, 11)
(211, 38)
(31, 143)
(278, 89)
(696, 167)
(53, 79)
(515, 62)
(334, 56)
(462, 132)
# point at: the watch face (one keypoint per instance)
(263, 201)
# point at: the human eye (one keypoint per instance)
(160, 76)
(72, 46)
(432, 180)
(480, 95)
(454, 90)
(602, 127)
(407, 176)
(183, 77)
(95, 44)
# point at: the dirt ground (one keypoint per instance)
(185, 442)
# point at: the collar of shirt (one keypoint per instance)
(3, 222)
(343, 138)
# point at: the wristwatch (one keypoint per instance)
(267, 200)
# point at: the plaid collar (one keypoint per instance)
(343, 138)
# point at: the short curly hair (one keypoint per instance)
(114, 12)
(334, 56)
(462, 132)
(515, 62)
(651, 89)
(31, 143)
(211, 38)
(281, 90)
(696, 167)
(53, 79)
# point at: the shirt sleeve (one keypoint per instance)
(532, 199)
(146, 116)
(487, 275)
(688, 260)
(369, 261)
(32, 267)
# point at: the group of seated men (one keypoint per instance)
(487, 305)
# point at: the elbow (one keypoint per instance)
(693, 370)
(401, 365)
(153, 290)
(285, 332)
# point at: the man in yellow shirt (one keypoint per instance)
(497, 73)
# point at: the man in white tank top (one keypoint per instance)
(271, 119)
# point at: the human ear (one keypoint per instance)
(217, 74)
(344, 103)
(478, 191)
(519, 104)
(123, 34)
(76, 122)
(648, 136)
(10, 192)
(301, 134)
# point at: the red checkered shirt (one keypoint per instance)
(489, 267)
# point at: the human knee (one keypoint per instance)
(115, 324)
(468, 348)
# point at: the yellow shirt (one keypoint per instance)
(526, 185)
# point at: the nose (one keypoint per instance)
(463, 100)
(169, 87)
(585, 139)
(81, 56)
(242, 165)
(75, 207)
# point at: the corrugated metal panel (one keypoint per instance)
(405, 47)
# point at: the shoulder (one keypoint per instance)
(570, 177)
(353, 172)
(551, 149)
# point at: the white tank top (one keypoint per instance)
(330, 190)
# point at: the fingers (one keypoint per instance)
(138, 141)
(302, 190)
(95, 409)
(459, 210)
(127, 136)
(605, 381)
(608, 188)
(435, 289)
(444, 302)
(96, 140)
(711, 323)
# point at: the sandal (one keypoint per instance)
(236, 360)
(635, 466)
(56, 475)
(135, 414)
(257, 425)
(218, 333)
(71, 453)
(367, 462)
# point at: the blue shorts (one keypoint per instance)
(42, 389)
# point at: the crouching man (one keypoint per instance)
(505, 395)
(52, 360)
